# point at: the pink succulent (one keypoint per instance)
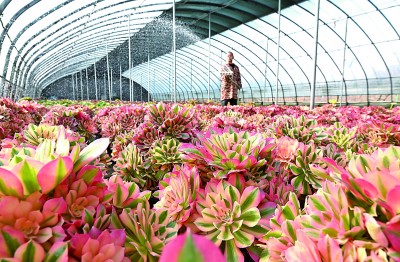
(375, 179)
(125, 194)
(191, 247)
(228, 151)
(178, 192)
(230, 217)
(84, 191)
(98, 246)
(391, 230)
(147, 231)
(286, 149)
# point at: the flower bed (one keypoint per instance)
(185, 182)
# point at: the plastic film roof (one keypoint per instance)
(357, 57)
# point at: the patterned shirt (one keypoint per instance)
(230, 81)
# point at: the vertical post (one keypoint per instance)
(77, 86)
(265, 73)
(120, 82)
(314, 72)
(148, 76)
(279, 47)
(73, 87)
(111, 83)
(174, 51)
(87, 85)
(95, 80)
(80, 74)
(141, 88)
(344, 61)
(105, 87)
(209, 56)
(130, 59)
(108, 74)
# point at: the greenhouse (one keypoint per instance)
(136, 50)
(200, 130)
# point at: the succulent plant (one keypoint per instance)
(229, 217)
(304, 179)
(147, 231)
(228, 151)
(162, 157)
(178, 193)
(145, 136)
(13, 118)
(119, 120)
(76, 119)
(342, 136)
(120, 142)
(129, 165)
(125, 194)
(172, 121)
(302, 129)
(34, 135)
(375, 180)
(99, 245)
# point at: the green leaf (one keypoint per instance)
(317, 204)
(251, 217)
(251, 197)
(287, 213)
(11, 243)
(57, 254)
(29, 253)
(290, 230)
(232, 253)
(386, 161)
(296, 170)
(28, 177)
(243, 238)
(189, 252)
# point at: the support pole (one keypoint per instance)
(108, 74)
(120, 82)
(95, 80)
(209, 56)
(105, 86)
(344, 62)
(314, 72)
(265, 75)
(73, 87)
(148, 76)
(87, 85)
(174, 51)
(111, 83)
(80, 75)
(279, 47)
(130, 59)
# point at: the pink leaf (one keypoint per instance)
(329, 249)
(91, 152)
(58, 252)
(31, 250)
(10, 185)
(56, 205)
(53, 173)
(393, 198)
(190, 246)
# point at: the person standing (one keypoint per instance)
(230, 81)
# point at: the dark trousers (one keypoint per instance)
(232, 102)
